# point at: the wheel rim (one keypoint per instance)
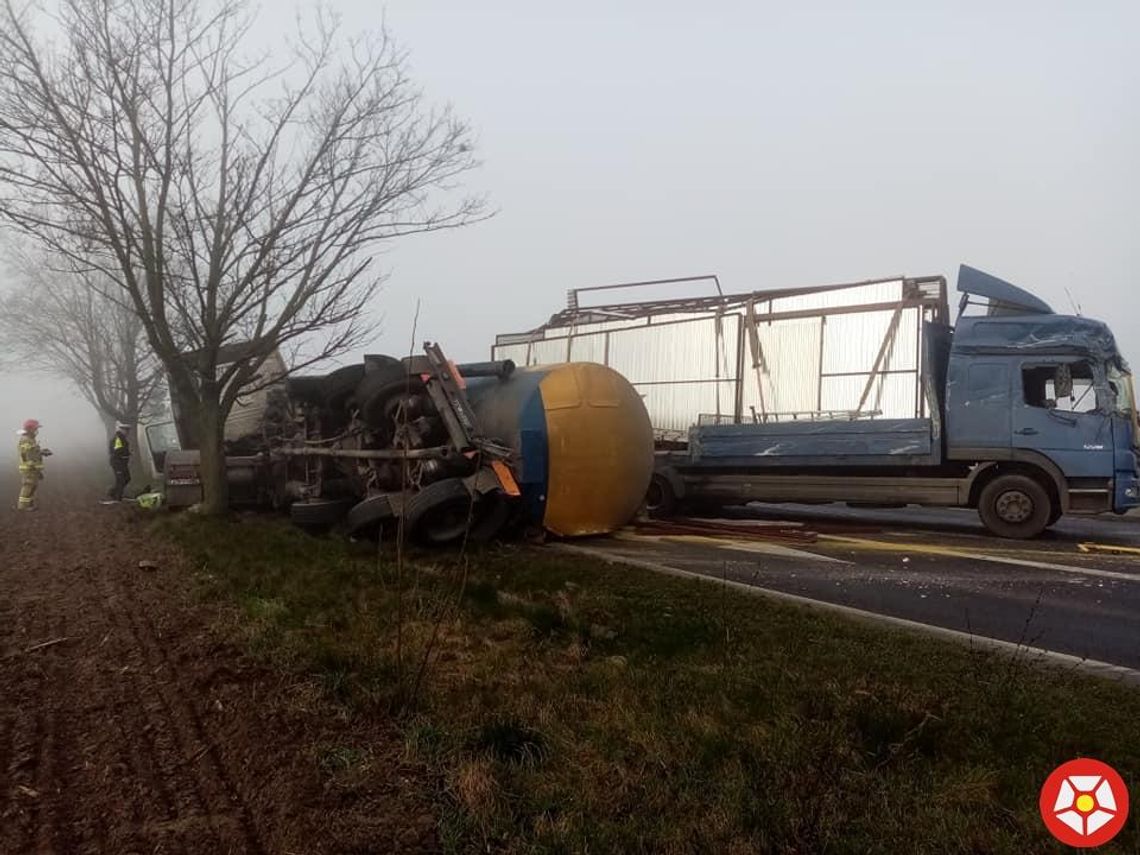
(1015, 506)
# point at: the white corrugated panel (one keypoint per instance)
(588, 348)
(677, 407)
(548, 352)
(879, 292)
(791, 356)
(852, 342)
(894, 395)
(676, 352)
(680, 363)
(517, 353)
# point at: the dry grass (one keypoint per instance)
(576, 707)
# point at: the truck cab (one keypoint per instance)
(1046, 394)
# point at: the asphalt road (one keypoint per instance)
(938, 568)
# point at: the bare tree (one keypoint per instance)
(62, 324)
(227, 199)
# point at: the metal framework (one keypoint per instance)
(742, 357)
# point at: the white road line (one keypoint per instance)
(946, 552)
(1106, 670)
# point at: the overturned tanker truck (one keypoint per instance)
(456, 452)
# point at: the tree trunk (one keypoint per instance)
(211, 425)
(108, 424)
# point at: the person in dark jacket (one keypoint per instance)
(120, 456)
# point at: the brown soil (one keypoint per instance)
(145, 730)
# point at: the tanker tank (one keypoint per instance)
(583, 439)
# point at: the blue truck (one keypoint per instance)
(1031, 416)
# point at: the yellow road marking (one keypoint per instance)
(1108, 549)
(948, 552)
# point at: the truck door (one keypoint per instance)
(1064, 413)
(978, 407)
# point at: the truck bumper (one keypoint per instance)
(1127, 492)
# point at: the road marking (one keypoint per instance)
(758, 547)
(1108, 549)
(1105, 670)
(947, 552)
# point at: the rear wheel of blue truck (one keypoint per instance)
(1016, 507)
(660, 498)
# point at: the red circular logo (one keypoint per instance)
(1084, 803)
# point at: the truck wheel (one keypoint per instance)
(1016, 507)
(379, 393)
(368, 517)
(306, 388)
(439, 514)
(338, 387)
(660, 498)
(492, 513)
(318, 514)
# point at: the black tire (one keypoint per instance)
(660, 499)
(311, 390)
(318, 514)
(1055, 515)
(439, 513)
(369, 516)
(380, 390)
(1015, 507)
(378, 362)
(492, 513)
(444, 514)
(339, 386)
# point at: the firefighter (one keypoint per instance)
(31, 464)
(119, 451)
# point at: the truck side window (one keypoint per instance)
(1068, 387)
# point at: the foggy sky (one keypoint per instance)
(775, 146)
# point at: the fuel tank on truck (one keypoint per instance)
(583, 439)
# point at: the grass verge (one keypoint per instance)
(572, 706)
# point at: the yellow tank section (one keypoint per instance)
(600, 446)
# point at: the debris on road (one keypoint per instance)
(1107, 549)
(43, 645)
(785, 532)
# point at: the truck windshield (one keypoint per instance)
(161, 438)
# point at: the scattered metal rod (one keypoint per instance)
(762, 529)
(704, 528)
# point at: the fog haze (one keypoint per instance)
(775, 146)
